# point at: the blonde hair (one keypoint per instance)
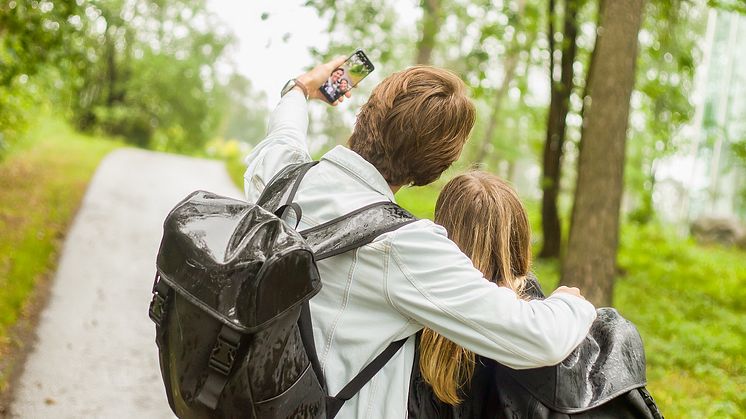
(414, 125)
(486, 219)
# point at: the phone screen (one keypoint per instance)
(347, 76)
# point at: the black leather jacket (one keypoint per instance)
(478, 398)
(604, 377)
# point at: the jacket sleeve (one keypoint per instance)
(432, 282)
(285, 144)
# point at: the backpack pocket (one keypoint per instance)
(304, 399)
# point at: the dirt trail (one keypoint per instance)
(95, 356)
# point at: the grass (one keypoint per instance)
(42, 182)
(687, 300)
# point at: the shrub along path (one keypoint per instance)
(95, 355)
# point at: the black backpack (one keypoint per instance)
(230, 303)
(604, 377)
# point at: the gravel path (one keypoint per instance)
(95, 356)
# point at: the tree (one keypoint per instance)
(556, 125)
(509, 69)
(149, 73)
(431, 18)
(32, 35)
(590, 262)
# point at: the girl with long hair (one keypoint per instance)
(486, 219)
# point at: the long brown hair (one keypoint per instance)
(485, 218)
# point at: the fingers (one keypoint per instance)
(342, 98)
(569, 290)
(336, 62)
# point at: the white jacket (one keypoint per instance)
(404, 280)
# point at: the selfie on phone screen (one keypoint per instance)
(346, 76)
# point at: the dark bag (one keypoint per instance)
(230, 303)
(604, 377)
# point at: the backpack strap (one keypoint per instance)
(281, 190)
(335, 403)
(337, 236)
(355, 229)
(334, 237)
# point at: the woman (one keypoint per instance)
(485, 218)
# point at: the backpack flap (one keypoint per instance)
(609, 362)
(219, 253)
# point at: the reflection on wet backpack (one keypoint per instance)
(231, 303)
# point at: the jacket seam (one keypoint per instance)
(372, 394)
(386, 250)
(342, 309)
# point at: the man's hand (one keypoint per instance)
(318, 76)
(569, 290)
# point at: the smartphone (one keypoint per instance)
(346, 76)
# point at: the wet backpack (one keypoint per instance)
(603, 378)
(230, 303)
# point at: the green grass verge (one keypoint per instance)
(42, 181)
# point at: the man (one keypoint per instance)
(331, 84)
(412, 128)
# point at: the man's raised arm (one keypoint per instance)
(285, 142)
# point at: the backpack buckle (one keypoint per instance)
(224, 352)
(156, 308)
(161, 293)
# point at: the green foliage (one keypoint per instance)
(144, 70)
(42, 182)
(420, 201)
(232, 152)
(688, 302)
(150, 73)
(730, 5)
(660, 104)
(32, 35)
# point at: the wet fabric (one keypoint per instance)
(603, 378)
(231, 303)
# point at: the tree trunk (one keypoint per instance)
(509, 66)
(111, 67)
(431, 17)
(511, 61)
(590, 262)
(556, 126)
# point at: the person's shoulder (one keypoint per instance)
(420, 228)
(420, 239)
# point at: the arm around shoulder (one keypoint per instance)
(435, 284)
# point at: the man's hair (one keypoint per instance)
(414, 125)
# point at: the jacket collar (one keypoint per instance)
(360, 169)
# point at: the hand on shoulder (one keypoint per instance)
(568, 290)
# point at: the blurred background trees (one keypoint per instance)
(528, 63)
(144, 70)
(158, 73)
